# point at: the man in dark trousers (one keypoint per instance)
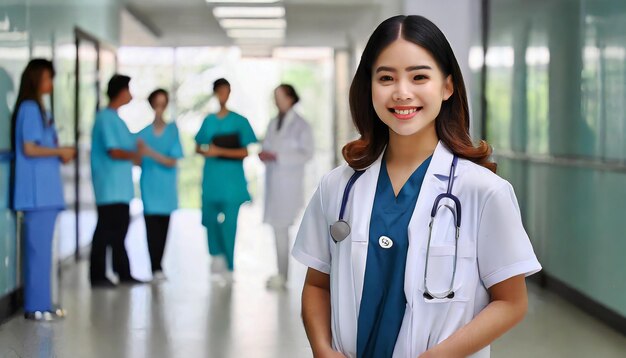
(113, 151)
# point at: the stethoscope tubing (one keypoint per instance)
(340, 230)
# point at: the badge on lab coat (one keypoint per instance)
(385, 242)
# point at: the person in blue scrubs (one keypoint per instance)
(160, 147)
(222, 140)
(113, 152)
(38, 190)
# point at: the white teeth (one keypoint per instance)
(405, 111)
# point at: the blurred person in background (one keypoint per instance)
(287, 147)
(160, 148)
(38, 189)
(113, 152)
(223, 139)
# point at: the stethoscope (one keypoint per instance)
(340, 230)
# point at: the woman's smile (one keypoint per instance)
(405, 112)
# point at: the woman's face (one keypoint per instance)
(408, 88)
(222, 93)
(159, 104)
(45, 85)
(283, 102)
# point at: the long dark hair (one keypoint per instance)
(452, 123)
(29, 90)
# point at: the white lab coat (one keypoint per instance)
(493, 246)
(284, 187)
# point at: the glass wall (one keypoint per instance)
(14, 53)
(31, 29)
(556, 116)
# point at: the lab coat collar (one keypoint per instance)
(289, 116)
(363, 200)
(364, 193)
(441, 161)
(439, 164)
(365, 190)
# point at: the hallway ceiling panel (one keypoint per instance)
(309, 22)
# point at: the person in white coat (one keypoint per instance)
(415, 247)
(287, 147)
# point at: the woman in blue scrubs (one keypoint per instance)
(38, 190)
(222, 140)
(160, 148)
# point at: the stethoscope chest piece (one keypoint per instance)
(340, 230)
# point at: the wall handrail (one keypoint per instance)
(618, 166)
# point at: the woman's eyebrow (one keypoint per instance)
(408, 69)
(414, 68)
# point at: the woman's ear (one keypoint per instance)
(448, 88)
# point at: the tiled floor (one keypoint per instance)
(190, 316)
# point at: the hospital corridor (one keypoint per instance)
(191, 316)
(312, 178)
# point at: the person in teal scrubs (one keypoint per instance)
(38, 189)
(222, 140)
(113, 152)
(160, 147)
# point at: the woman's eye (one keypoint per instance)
(385, 78)
(419, 77)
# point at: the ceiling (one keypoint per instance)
(328, 23)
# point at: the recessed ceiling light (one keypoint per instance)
(248, 12)
(253, 23)
(255, 33)
(242, 1)
(243, 41)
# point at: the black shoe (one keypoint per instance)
(132, 281)
(102, 283)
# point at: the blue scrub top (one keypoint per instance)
(37, 179)
(383, 300)
(223, 180)
(158, 182)
(112, 178)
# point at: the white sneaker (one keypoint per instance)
(158, 276)
(218, 264)
(277, 282)
(227, 276)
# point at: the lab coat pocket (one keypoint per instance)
(442, 274)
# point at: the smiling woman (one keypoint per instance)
(431, 70)
(402, 90)
(455, 288)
